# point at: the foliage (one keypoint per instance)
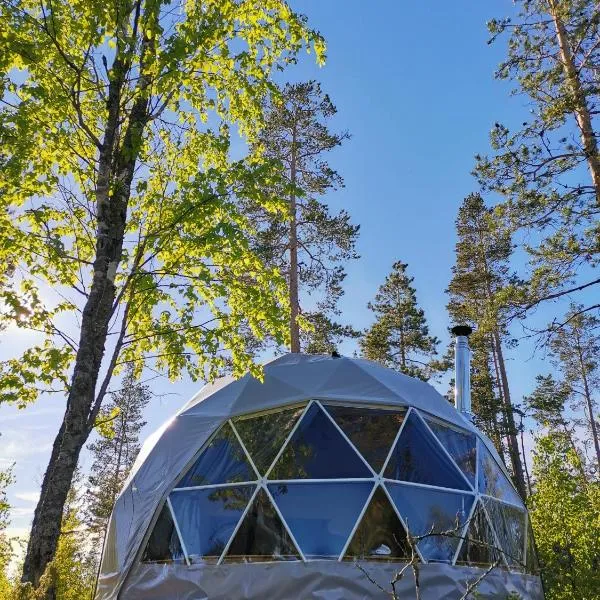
(6, 479)
(400, 337)
(565, 514)
(310, 246)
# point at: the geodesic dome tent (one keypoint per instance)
(306, 486)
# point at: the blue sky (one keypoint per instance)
(413, 83)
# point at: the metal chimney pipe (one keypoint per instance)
(462, 366)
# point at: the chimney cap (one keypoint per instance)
(462, 330)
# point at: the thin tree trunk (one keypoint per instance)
(115, 174)
(293, 277)
(589, 403)
(522, 436)
(580, 107)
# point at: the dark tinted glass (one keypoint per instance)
(223, 461)
(418, 457)
(532, 564)
(479, 546)
(509, 524)
(426, 511)
(460, 446)
(492, 480)
(380, 534)
(207, 518)
(371, 430)
(261, 536)
(163, 544)
(317, 450)
(263, 436)
(321, 515)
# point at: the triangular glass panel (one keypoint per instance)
(532, 563)
(371, 430)
(419, 458)
(380, 534)
(321, 515)
(208, 517)
(492, 480)
(263, 436)
(479, 545)
(223, 461)
(460, 445)
(317, 450)
(163, 544)
(428, 512)
(509, 524)
(261, 536)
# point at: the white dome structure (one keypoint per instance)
(319, 482)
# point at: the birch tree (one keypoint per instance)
(116, 124)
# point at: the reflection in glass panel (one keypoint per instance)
(426, 510)
(418, 457)
(321, 515)
(261, 536)
(371, 430)
(263, 436)
(532, 563)
(223, 461)
(492, 480)
(509, 525)
(380, 534)
(207, 518)
(460, 446)
(317, 450)
(479, 546)
(163, 544)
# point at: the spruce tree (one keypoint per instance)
(115, 450)
(400, 337)
(479, 276)
(310, 246)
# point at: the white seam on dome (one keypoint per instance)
(179, 534)
(358, 521)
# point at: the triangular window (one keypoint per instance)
(223, 461)
(479, 545)
(460, 445)
(428, 512)
(371, 430)
(532, 563)
(492, 480)
(261, 536)
(163, 544)
(208, 517)
(264, 435)
(380, 534)
(321, 515)
(509, 525)
(317, 450)
(419, 458)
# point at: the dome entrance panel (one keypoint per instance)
(261, 536)
(163, 544)
(380, 534)
(371, 430)
(322, 515)
(460, 445)
(223, 461)
(425, 511)
(418, 457)
(208, 517)
(317, 450)
(492, 480)
(479, 546)
(509, 525)
(264, 435)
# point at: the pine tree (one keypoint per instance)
(115, 450)
(311, 245)
(400, 337)
(480, 274)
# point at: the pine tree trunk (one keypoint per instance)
(115, 174)
(581, 108)
(511, 434)
(293, 276)
(589, 404)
